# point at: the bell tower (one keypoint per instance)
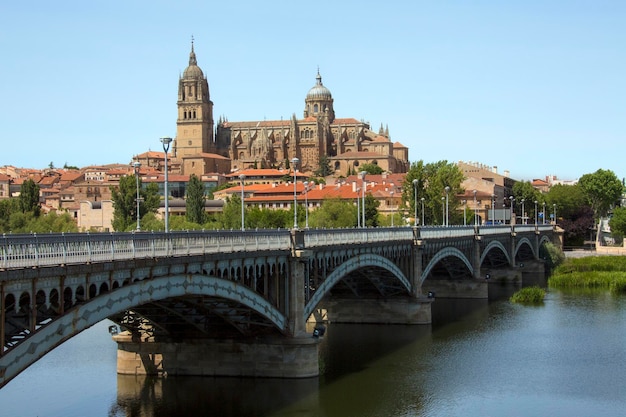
(194, 126)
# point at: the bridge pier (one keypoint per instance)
(268, 357)
(458, 288)
(379, 311)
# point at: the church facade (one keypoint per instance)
(346, 143)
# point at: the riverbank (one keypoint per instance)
(591, 272)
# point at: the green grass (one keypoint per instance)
(529, 295)
(604, 272)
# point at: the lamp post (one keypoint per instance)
(166, 147)
(422, 200)
(294, 162)
(306, 204)
(475, 210)
(493, 209)
(391, 202)
(543, 213)
(504, 212)
(447, 190)
(464, 212)
(137, 165)
(243, 227)
(554, 205)
(513, 219)
(362, 174)
(523, 218)
(443, 211)
(536, 214)
(358, 207)
(415, 182)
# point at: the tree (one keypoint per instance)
(29, 197)
(194, 200)
(618, 223)
(324, 169)
(125, 202)
(371, 211)
(334, 213)
(431, 181)
(523, 190)
(371, 169)
(602, 189)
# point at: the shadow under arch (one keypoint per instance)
(491, 246)
(353, 264)
(444, 253)
(124, 298)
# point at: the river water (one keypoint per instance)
(566, 357)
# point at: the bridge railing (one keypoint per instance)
(328, 237)
(38, 250)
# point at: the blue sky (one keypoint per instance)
(533, 87)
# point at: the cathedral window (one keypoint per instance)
(315, 108)
(194, 114)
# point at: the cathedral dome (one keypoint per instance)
(319, 92)
(193, 71)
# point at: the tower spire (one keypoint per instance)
(192, 55)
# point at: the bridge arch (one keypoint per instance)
(353, 264)
(492, 245)
(525, 242)
(83, 316)
(442, 254)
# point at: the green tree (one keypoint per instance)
(371, 169)
(194, 200)
(324, 169)
(575, 216)
(371, 211)
(7, 208)
(523, 190)
(602, 189)
(29, 197)
(618, 223)
(334, 213)
(230, 217)
(431, 181)
(125, 202)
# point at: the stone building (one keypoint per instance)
(345, 142)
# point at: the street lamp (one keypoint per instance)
(137, 165)
(241, 178)
(415, 182)
(443, 211)
(536, 214)
(447, 190)
(543, 213)
(166, 147)
(422, 200)
(358, 207)
(493, 209)
(475, 210)
(392, 211)
(362, 174)
(554, 205)
(464, 212)
(306, 204)
(512, 210)
(504, 212)
(523, 218)
(294, 162)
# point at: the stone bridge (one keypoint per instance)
(238, 302)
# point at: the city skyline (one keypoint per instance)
(534, 89)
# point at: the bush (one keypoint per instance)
(529, 295)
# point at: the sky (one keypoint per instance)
(534, 88)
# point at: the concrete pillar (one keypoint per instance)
(272, 357)
(298, 270)
(512, 247)
(476, 254)
(416, 267)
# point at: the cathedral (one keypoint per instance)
(202, 147)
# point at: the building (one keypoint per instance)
(203, 146)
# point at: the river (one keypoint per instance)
(566, 357)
